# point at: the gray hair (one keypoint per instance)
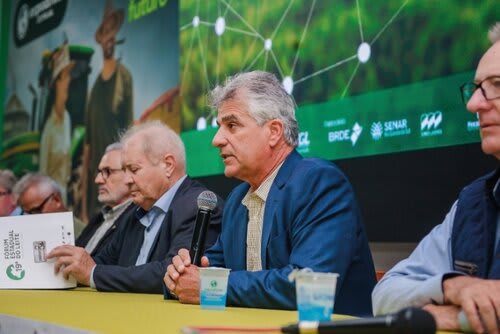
(158, 140)
(116, 146)
(265, 97)
(494, 33)
(41, 181)
(7, 180)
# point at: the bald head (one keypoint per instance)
(153, 159)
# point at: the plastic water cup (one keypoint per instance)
(213, 288)
(315, 295)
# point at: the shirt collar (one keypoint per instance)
(263, 190)
(111, 212)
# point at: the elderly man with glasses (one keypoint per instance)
(38, 193)
(114, 194)
(8, 203)
(454, 272)
(136, 258)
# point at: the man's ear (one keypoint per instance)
(276, 131)
(169, 162)
(58, 200)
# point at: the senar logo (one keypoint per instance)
(15, 272)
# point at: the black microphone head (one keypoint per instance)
(207, 200)
(415, 320)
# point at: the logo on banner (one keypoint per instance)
(23, 21)
(34, 18)
(377, 130)
(393, 128)
(356, 132)
(304, 142)
(351, 135)
(473, 125)
(15, 271)
(430, 124)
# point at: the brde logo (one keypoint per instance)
(213, 283)
(15, 271)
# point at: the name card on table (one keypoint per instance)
(25, 242)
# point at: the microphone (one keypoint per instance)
(407, 321)
(207, 201)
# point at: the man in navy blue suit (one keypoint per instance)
(135, 259)
(290, 213)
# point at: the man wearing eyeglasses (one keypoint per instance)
(114, 194)
(8, 205)
(137, 256)
(38, 193)
(454, 272)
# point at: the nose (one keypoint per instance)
(219, 138)
(128, 177)
(478, 102)
(99, 179)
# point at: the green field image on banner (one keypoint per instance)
(427, 114)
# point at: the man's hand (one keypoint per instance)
(478, 298)
(74, 261)
(446, 316)
(183, 279)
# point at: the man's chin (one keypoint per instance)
(136, 198)
(102, 199)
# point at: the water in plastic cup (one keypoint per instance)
(213, 288)
(315, 295)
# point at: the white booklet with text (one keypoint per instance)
(25, 242)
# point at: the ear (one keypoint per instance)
(58, 200)
(169, 162)
(276, 132)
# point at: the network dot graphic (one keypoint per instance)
(288, 84)
(364, 52)
(268, 44)
(220, 26)
(361, 54)
(196, 21)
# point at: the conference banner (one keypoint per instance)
(368, 77)
(78, 74)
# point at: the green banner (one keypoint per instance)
(423, 115)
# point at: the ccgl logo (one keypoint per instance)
(430, 124)
(15, 271)
(304, 142)
(351, 135)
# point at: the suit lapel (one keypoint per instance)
(273, 201)
(163, 232)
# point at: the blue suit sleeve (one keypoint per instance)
(315, 222)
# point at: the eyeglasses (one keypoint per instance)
(107, 171)
(38, 209)
(4, 193)
(490, 88)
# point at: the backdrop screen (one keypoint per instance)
(376, 85)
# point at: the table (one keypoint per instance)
(105, 312)
(109, 313)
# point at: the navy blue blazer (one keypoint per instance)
(311, 219)
(116, 269)
(96, 222)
